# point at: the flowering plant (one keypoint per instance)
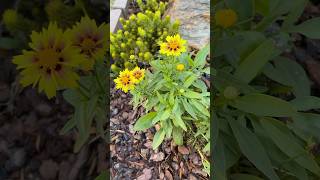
(172, 92)
(72, 60)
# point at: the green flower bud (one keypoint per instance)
(181, 91)
(123, 45)
(139, 43)
(147, 56)
(132, 57)
(115, 68)
(141, 32)
(132, 17)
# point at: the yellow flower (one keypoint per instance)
(125, 81)
(51, 61)
(138, 74)
(226, 17)
(91, 39)
(174, 46)
(180, 67)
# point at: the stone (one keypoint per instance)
(121, 4)
(194, 17)
(115, 15)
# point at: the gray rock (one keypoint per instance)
(194, 16)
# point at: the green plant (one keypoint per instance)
(152, 5)
(139, 39)
(174, 99)
(262, 121)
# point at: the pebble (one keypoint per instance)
(49, 169)
(43, 109)
(17, 160)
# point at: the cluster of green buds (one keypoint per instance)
(152, 5)
(139, 39)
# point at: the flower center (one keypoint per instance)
(88, 44)
(48, 60)
(125, 80)
(173, 46)
(137, 74)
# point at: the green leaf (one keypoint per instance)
(280, 134)
(295, 13)
(309, 28)
(188, 108)
(144, 122)
(68, 126)
(289, 73)
(262, 7)
(190, 80)
(200, 59)
(192, 95)
(102, 176)
(253, 64)
(177, 135)
(244, 177)
(158, 138)
(264, 105)
(306, 103)
(257, 155)
(200, 107)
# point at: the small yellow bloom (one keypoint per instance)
(51, 63)
(138, 74)
(125, 81)
(180, 67)
(90, 39)
(226, 17)
(174, 46)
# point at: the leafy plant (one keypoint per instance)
(261, 115)
(174, 99)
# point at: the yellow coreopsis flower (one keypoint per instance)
(138, 74)
(125, 81)
(90, 39)
(51, 61)
(226, 17)
(174, 46)
(180, 67)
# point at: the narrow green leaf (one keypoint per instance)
(244, 177)
(188, 108)
(280, 134)
(192, 94)
(158, 138)
(264, 105)
(309, 28)
(177, 135)
(253, 64)
(190, 80)
(200, 59)
(257, 155)
(306, 103)
(68, 126)
(144, 122)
